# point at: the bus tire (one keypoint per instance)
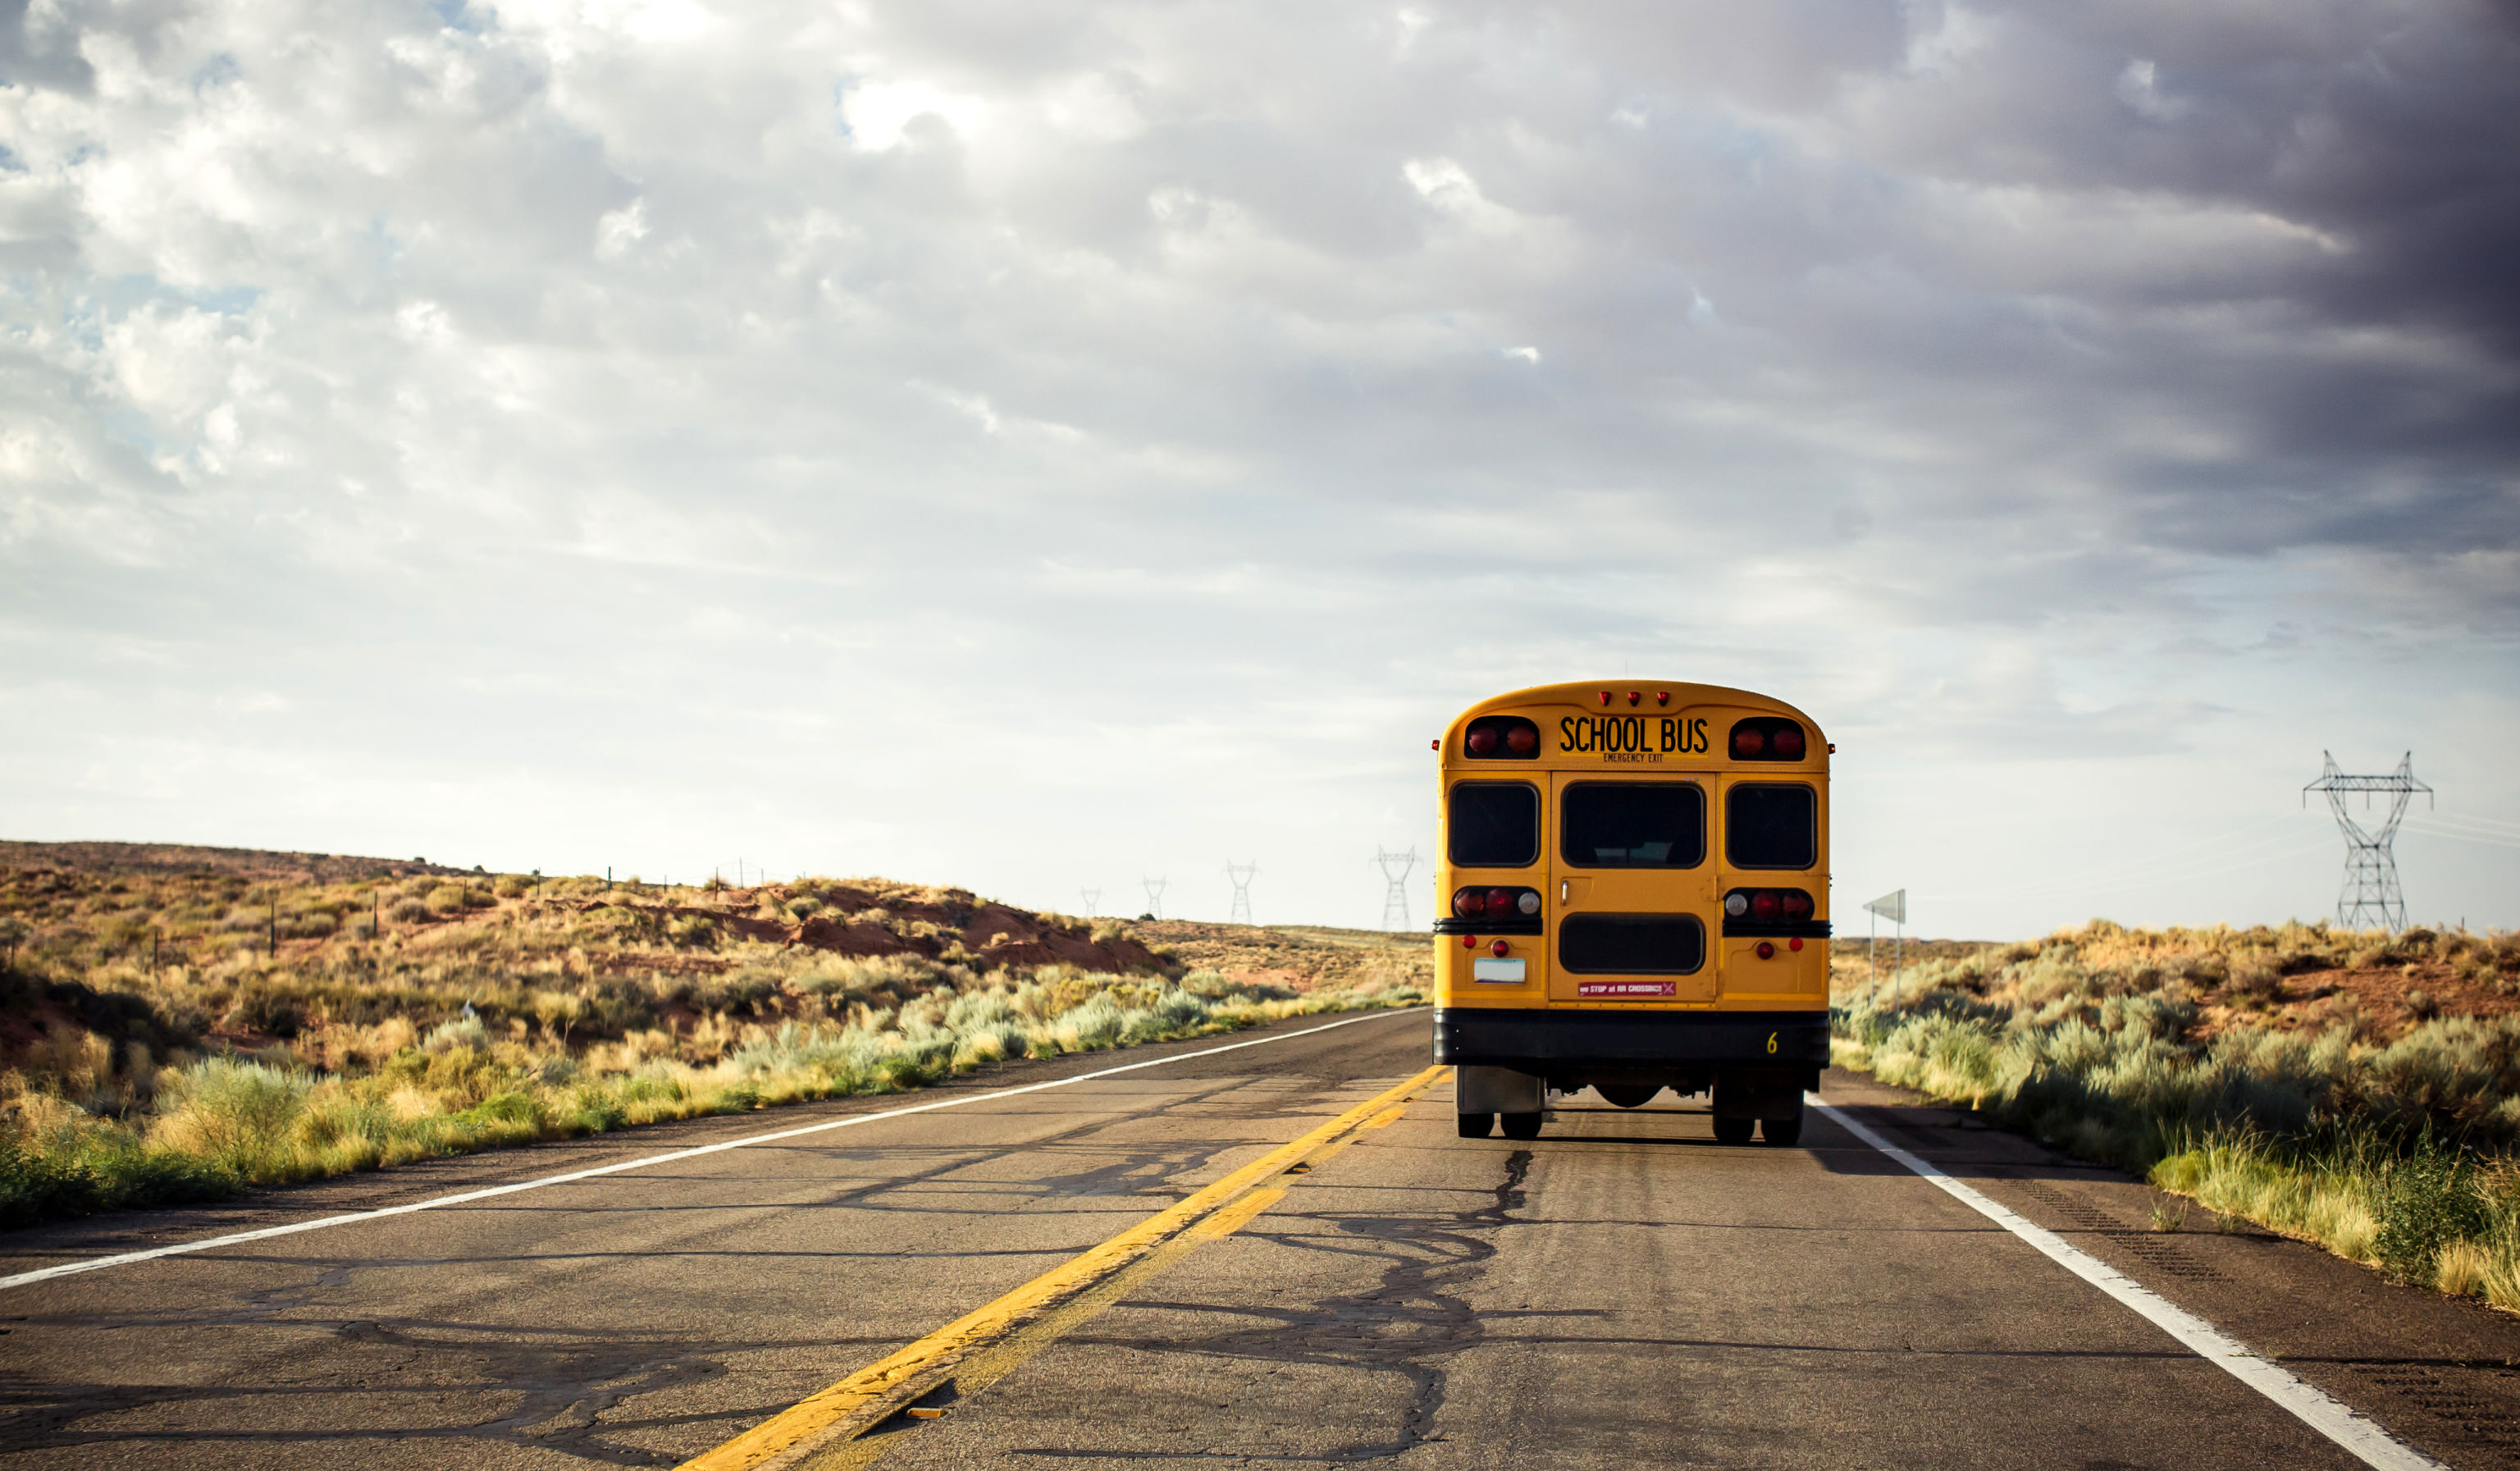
(1628, 1094)
(1521, 1126)
(1783, 1132)
(1476, 1126)
(1734, 1130)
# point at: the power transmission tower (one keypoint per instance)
(2370, 896)
(1242, 873)
(1395, 899)
(1156, 895)
(1092, 902)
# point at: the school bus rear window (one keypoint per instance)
(1632, 825)
(1494, 824)
(1771, 824)
(1630, 944)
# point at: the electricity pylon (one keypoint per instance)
(1242, 873)
(2370, 896)
(1156, 895)
(1395, 899)
(1092, 902)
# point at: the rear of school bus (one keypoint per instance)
(1635, 885)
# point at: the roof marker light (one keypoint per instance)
(1605, 697)
(1662, 696)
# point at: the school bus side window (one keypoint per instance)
(1493, 824)
(1632, 825)
(1771, 824)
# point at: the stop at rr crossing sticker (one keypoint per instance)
(1606, 989)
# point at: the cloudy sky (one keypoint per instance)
(1044, 446)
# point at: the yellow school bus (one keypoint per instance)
(1635, 885)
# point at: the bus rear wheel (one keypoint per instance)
(1734, 1130)
(1628, 1094)
(1783, 1132)
(1521, 1126)
(1476, 1126)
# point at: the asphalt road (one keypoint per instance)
(1621, 1292)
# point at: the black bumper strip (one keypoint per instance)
(1488, 927)
(1534, 1040)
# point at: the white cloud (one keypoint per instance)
(879, 113)
(1032, 455)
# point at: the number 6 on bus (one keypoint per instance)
(1637, 893)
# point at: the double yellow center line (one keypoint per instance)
(826, 1429)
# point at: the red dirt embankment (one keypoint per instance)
(925, 922)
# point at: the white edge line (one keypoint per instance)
(96, 1264)
(2358, 1435)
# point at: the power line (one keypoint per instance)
(2370, 896)
(1395, 898)
(1242, 873)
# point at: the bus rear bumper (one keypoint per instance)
(1681, 1049)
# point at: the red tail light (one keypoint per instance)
(1756, 907)
(1501, 738)
(1767, 952)
(1769, 737)
(1499, 949)
(1496, 904)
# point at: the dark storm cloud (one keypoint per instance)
(41, 53)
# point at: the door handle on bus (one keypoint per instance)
(1562, 886)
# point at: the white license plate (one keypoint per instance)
(1497, 970)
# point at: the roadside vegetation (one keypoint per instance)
(2360, 1090)
(174, 1035)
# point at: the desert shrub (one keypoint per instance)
(261, 1009)
(235, 1114)
(449, 899)
(464, 1032)
(2429, 1201)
